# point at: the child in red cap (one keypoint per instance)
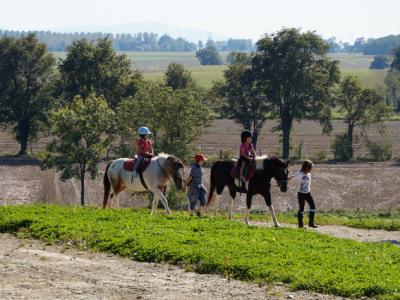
(196, 191)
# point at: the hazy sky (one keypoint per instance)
(236, 19)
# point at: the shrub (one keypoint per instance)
(380, 151)
(340, 146)
(226, 153)
(297, 147)
(321, 155)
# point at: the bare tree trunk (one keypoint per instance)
(350, 137)
(83, 188)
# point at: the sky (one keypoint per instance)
(344, 19)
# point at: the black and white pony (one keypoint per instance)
(260, 183)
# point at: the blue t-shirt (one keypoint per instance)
(197, 174)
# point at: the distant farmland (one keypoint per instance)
(154, 64)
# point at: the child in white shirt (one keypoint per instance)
(304, 193)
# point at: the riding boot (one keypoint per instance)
(311, 221)
(300, 218)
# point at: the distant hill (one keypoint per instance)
(192, 35)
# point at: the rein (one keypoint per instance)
(164, 172)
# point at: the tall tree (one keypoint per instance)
(296, 76)
(177, 78)
(392, 82)
(200, 44)
(358, 46)
(209, 56)
(240, 98)
(26, 86)
(95, 68)
(80, 129)
(361, 107)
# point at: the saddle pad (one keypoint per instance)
(251, 172)
(129, 164)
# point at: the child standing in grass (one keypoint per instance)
(196, 191)
(304, 193)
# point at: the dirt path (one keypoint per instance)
(30, 269)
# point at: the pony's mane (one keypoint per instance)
(166, 156)
(260, 162)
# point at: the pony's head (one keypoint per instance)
(277, 168)
(175, 168)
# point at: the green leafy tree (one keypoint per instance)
(392, 82)
(241, 99)
(380, 62)
(177, 78)
(96, 68)
(26, 87)
(395, 65)
(81, 142)
(200, 44)
(209, 56)
(361, 107)
(175, 118)
(358, 46)
(296, 76)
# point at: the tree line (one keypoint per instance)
(383, 45)
(58, 42)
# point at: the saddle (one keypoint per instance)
(247, 173)
(130, 163)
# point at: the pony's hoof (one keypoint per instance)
(277, 225)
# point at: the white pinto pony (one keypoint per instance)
(161, 169)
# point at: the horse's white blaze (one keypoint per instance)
(246, 217)
(230, 208)
(271, 209)
(260, 162)
(216, 205)
(180, 172)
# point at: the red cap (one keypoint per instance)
(199, 157)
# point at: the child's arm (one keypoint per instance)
(187, 182)
(254, 152)
(151, 150)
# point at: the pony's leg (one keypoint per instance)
(117, 200)
(267, 197)
(271, 209)
(232, 195)
(159, 194)
(249, 197)
(110, 202)
(216, 204)
(155, 204)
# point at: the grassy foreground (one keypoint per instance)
(305, 259)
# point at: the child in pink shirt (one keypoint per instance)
(144, 148)
(246, 149)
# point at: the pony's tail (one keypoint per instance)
(107, 186)
(212, 181)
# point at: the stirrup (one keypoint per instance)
(242, 179)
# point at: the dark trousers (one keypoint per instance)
(302, 200)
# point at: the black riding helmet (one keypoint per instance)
(245, 134)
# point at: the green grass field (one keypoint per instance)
(305, 259)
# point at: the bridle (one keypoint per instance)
(165, 172)
(280, 182)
